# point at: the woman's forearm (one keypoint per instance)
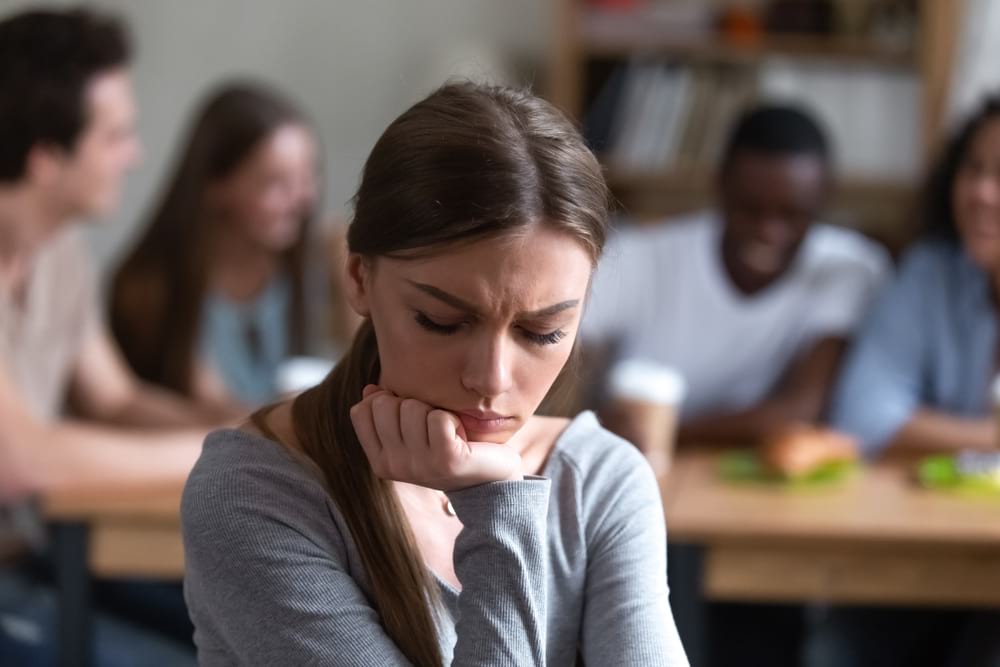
(931, 429)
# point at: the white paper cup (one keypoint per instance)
(297, 374)
(645, 398)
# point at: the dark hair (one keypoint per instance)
(468, 163)
(159, 289)
(776, 130)
(938, 211)
(47, 57)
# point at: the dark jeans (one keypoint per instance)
(28, 623)
(895, 637)
(751, 635)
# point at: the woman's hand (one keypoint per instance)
(409, 441)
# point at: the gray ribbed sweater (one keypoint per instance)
(555, 568)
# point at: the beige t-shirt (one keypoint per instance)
(41, 334)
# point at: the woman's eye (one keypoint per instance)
(435, 327)
(550, 338)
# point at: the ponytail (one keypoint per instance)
(402, 587)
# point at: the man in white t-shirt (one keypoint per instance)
(753, 302)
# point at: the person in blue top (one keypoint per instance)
(920, 372)
(224, 284)
(919, 377)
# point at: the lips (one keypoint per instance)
(484, 421)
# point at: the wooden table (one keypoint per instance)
(109, 532)
(877, 538)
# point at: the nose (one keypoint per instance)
(487, 369)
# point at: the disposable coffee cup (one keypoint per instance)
(297, 374)
(644, 401)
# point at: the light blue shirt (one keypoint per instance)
(248, 370)
(931, 340)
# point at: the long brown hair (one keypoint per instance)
(159, 289)
(469, 162)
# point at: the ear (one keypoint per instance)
(357, 283)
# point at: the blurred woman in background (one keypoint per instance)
(919, 378)
(920, 373)
(225, 282)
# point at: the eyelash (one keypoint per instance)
(550, 338)
(434, 327)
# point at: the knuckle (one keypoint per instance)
(411, 406)
(437, 418)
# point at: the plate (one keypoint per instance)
(745, 466)
(941, 473)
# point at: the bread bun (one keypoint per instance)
(802, 448)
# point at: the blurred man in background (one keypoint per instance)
(752, 301)
(67, 138)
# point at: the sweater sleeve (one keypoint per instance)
(627, 618)
(269, 581)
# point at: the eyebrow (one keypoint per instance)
(461, 304)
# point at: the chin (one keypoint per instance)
(280, 236)
(762, 273)
(987, 259)
(279, 243)
(764, 264)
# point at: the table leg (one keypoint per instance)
(684, 565)
(70, 541)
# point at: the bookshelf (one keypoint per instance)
(591, 43)
(605, 34)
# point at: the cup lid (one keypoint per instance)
(300, 373)
(644, 380)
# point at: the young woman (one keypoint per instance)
(219, 291)
(919, 378)
(411, 509)
(920, 373)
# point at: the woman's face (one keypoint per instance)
(481, 330)
(267, 197)
(976, 197)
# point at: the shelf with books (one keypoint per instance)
(621, 35)
(657, 85)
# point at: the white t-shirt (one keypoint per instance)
(662, 293)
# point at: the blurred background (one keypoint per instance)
(352, 67)
(655, 86)
(884, 77)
